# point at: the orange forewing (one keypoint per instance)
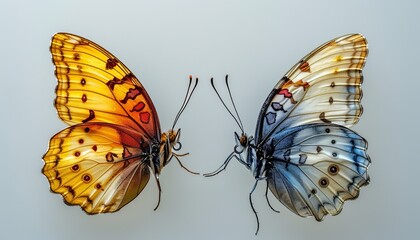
(93, 85)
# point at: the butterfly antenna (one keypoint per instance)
(224, 104)
(187, 98)
(233, 103)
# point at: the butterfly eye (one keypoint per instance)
(243, 140)
(172, 137)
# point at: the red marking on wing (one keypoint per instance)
(129, 140)
(285, 93)
(138, 107)
(132, 94)
(144, 117)
(126, 153)
(285, 89)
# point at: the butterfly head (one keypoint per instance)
(242, 142)
(173, 137)
(169, 141)
(254, 161)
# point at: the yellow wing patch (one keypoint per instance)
(96, 166)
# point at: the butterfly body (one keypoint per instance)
(104, 159)
(168, 142)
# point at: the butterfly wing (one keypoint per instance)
(317, 167)
(98, 162)
(93, 85)
(324, 87)
(317, 162)
(98, 166)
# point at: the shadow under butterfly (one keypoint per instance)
(303, 147)
(104, 159)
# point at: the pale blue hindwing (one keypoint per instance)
(316, 167)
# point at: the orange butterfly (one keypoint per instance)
(104, 159)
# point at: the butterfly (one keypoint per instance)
(104, 159)
(303, 147)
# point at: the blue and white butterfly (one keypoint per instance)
(303, 146)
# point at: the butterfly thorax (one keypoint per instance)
(169, 141)
(255, 160)
(258, 160)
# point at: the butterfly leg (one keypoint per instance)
(224, 165)
(241, 160)
(182, 165)
(160, 191)
(252, 206)
(268, 201)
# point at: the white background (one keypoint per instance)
(163, 42)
